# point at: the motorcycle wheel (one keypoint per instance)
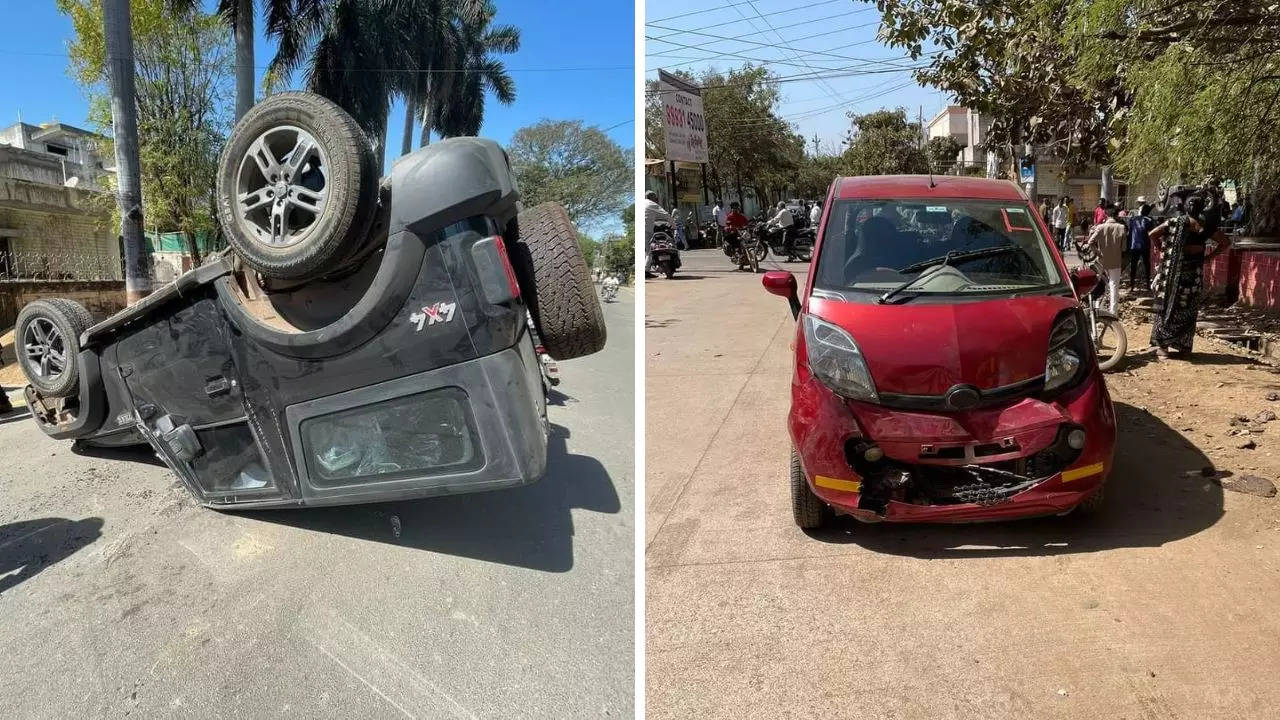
(759, 251)
(804, 255)
(669, 269)
(755, 264)
(1110, 343)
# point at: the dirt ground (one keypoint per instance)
(1162, 606)
(1216, 400)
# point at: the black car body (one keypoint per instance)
(414, 375)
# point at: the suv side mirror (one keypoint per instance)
(1084, 281)
(783, 284)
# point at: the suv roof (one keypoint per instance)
(918, 186)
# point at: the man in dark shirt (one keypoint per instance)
(1139, 243)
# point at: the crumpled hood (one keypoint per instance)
(917, 348)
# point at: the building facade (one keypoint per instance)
(55, 218)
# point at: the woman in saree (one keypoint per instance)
(1186, 241)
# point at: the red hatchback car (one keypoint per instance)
(944, 370)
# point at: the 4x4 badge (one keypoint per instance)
(441, 312)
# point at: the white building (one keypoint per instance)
(970, 129)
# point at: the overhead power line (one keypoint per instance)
(739, 38)
(769, 61)
(735, 21)
(726, 6)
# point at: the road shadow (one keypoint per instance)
(559, 399)
(131, 453)
(528, 527)
(19, 412)
(1144, 356)
(1155, 495)
(27, 547)
(680, 276)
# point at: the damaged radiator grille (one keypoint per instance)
(976, 483)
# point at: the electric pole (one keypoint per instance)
(815, 145)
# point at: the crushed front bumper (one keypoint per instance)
(994, 463)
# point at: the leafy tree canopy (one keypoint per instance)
(573, 164)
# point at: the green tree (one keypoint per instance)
(1012, 61)
(588, 248)
(573, 164)
(883, 142)
(181, 63)
(942, 152)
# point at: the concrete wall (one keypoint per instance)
(56, 228)
(100, 298)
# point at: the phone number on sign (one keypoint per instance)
(678, 117)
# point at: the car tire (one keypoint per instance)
(47, 340)
(1092, 505)
(284, 217)
(556, 283)
(808, 510)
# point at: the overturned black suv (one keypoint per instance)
(359, 341)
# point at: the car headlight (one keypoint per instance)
(834, 358)
(1064, 360)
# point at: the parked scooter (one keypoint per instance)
(663, 254)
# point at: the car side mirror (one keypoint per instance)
(783, 284)
(1084, 281)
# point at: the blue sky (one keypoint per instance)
(794, 37)
(575, 62)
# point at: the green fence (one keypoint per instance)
(175, 242)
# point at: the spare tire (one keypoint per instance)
(556, 282)
(297, 186)
(47, 336)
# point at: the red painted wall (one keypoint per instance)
(1260, 278)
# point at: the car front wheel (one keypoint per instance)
(808, 510)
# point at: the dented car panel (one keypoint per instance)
(962, 423)
(427, 384)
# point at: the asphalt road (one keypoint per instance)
(1163, 607)
(120, 596)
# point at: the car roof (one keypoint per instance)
(924, 186)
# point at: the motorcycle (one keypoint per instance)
(663, 254)
(609, 290)
(739, 252)
(1109, 339)
(767, 239)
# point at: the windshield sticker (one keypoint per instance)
(936, 208)
(1008, 224)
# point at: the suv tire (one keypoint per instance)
(47, 343)
(556, 283)
(290, 216)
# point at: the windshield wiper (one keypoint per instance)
(944, 260)
(960, 255)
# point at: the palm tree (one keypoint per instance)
(433, 24)
(455, 106)
(282, 16)
(460, 111)
(349, 51)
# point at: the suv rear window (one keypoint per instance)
(876, 245)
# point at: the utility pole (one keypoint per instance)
(118, 35)
(816, 150)
(920, 124)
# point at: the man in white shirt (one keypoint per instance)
(1060, 224)
(718, 213)
(786, 223)
(653, 213)
(815, 215)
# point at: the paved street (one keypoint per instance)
(122, 597)
(1163, 607)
